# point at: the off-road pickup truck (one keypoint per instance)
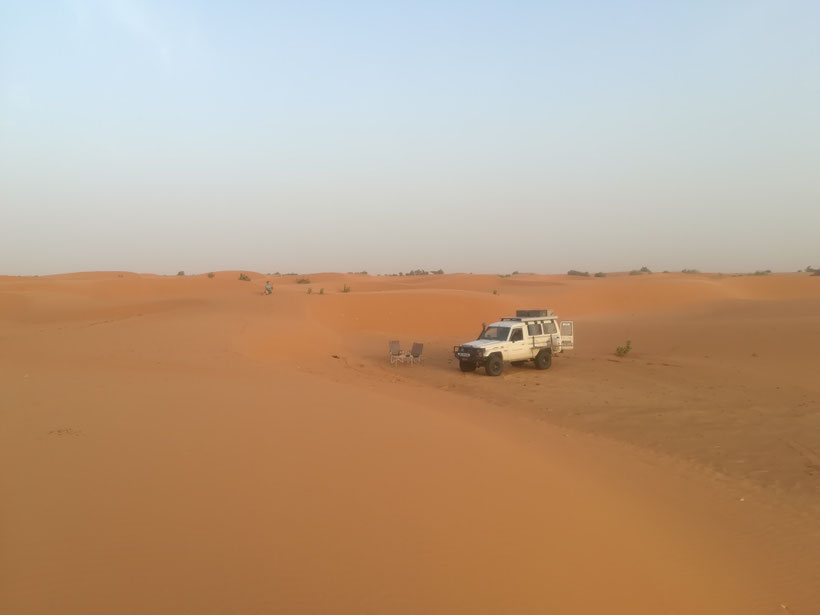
(530, 335)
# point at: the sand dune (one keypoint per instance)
(183, 444)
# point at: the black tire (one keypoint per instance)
(467, 366)
(518, 363)
(494, 366)
(543, 359)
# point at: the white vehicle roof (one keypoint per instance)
(524, 316)
(513, 320)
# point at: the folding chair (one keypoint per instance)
(415, 353)
(396, 354)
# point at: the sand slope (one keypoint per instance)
(183, 444)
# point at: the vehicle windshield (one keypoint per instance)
(498, 334)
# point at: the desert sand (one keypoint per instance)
(186, 445)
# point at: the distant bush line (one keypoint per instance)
(417, 272)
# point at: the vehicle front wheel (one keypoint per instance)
(467, 366)
(494, 366)
(543, 359)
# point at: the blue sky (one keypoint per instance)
(387, 136)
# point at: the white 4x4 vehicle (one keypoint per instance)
(531, 335)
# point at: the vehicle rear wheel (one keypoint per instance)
(494, 366)
(543, 359)
(467, 366)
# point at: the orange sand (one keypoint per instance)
(185, 445)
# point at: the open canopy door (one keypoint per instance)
(567, 340)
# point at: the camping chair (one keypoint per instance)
(396, 355)
(415, 353)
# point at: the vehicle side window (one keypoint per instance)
(534, 328)
(517, 335)
(551, 328)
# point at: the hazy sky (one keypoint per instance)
(386, 136)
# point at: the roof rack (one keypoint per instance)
(533, 313)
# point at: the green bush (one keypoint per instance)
(634, 272)
(211, 274)
(645, 270)
(766, 272)
(346, 289)
(244, 277)
(180, 273)
(303, 281)
(689, 271)
(600, 274)
(321, 291)
(495, 292)
(309, 290)
(576, 272)
(622, 351)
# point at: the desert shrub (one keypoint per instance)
(438, 272)
(515, 273)
(303, 281)
(576, 272)
(816, 273)
(766, 272)
(645, 270)
(504, 275)
(689, 271)
(211, 274)
(495, 292)
(321, 291)
(180, 273)
(622, 351)
(309, 290)
(811, 269)
(244, 277)
(345, 289)
(634, 272)
(600, 274)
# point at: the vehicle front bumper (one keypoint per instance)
(468, 353)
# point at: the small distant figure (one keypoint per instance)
(268, 288)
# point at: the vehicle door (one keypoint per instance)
(519, 349)
(537, 340)
(567, 334)
(551, 329)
